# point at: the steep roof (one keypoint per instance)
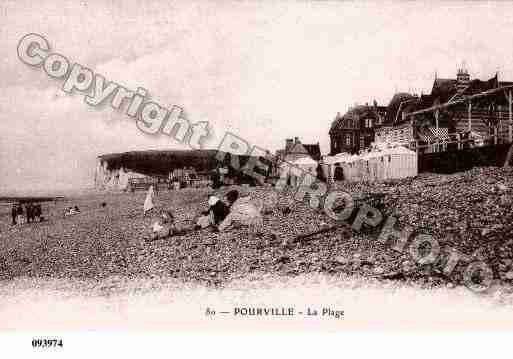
(297, 148)
(477, 86)
(395, 105)
(444, 89)
(314, 150)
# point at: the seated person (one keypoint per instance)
(163, 227)
(232, 197)
(216, 213)
(69, 211)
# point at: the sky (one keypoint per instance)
(265, 71)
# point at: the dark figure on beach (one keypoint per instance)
(28, 212)
(29, 208)
(19, 214)
(232, 196)
(216, 179)
(14, 213)
(37, 212)
(215, 214)
(219, 211)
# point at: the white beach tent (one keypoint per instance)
(342, 160)
(307, 165)
(384, 163)
(403, 163)
(295, 170)
(123, 179)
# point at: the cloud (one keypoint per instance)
(264, 71)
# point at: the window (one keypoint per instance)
(348, 140)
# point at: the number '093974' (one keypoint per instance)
(47, 343)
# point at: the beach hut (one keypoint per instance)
(383, 162)
(389, 163)
(308, 170)
(340, 163)
(302, 171)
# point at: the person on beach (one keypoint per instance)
(19, 214)
(243, 212)
(14, 213)
(70, 211)
(232, 197)
(38, 212)
(148, 202)
(216, 179)
(163, 227)
(215, 214)
(29, 208)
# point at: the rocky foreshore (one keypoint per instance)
(469, 211)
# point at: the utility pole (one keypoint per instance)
(470, 116)
(510, 134)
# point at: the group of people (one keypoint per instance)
(238, 211)
(220, 216)
(31, 213)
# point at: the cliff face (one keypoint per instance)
(113, 171)
(101, 175)
(115, 179)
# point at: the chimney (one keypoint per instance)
(288, 144)
(296, 140)
(462, 77)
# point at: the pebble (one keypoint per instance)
(458, 208)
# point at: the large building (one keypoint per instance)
(458, 110)
(354, 131)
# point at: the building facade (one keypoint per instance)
(354, 131)
(456, 108)
(294, 150)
